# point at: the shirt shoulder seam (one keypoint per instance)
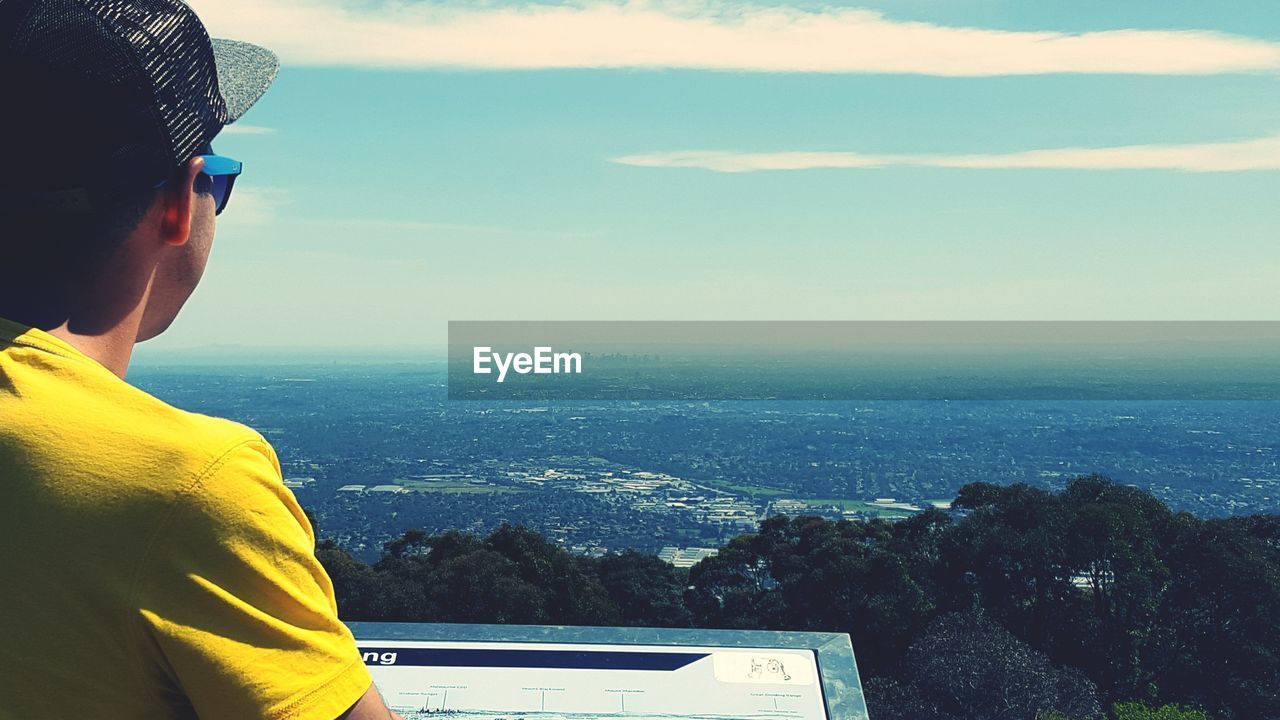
(198, 479)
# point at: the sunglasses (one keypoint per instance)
(222, 172)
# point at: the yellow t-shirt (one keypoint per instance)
(152, 562)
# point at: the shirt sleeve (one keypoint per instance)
(236, 610)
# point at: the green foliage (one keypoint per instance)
(1042, 602)
(809, 574)
(1138, 711)
(1154, 606)
(966, 666)
(1221, 611)
(512, 576)
(647, 591)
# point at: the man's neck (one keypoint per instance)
(112, 346)
(111, 350)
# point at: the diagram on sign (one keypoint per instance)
(544, 681)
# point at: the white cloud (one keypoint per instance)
(253, 205)
(426, 229)
(242, 129)
(1258, 154)
(704, 34)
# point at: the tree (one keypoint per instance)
(365, 593)
(483, 586)
(966, 666)
(735, 588)
(1116, 540)
(575, 594)
(1221, 620)
(809, 574)
(512, 576)
(647, 591)
(1045, 602)
(1009, 556)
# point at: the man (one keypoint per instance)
(152, 563)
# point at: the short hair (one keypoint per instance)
(80, 243)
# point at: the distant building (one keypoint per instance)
(891, 504)
(351, 489)
(686, 557)
(789, 507)
(395, 489)
(1085, 580)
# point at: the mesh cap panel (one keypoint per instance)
(175, 58)
(104, 95)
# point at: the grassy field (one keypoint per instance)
(861, 506)
(458, 487)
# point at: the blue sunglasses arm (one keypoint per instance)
(215, 165)
(221, 165)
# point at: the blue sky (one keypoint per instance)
(954, 160)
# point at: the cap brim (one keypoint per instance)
(245, 72)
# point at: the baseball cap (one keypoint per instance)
(103, 98)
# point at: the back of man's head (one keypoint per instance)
(105, 100)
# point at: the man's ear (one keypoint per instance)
(178, 201)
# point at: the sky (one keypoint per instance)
(420, 162)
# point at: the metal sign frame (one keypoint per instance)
(838, 671)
